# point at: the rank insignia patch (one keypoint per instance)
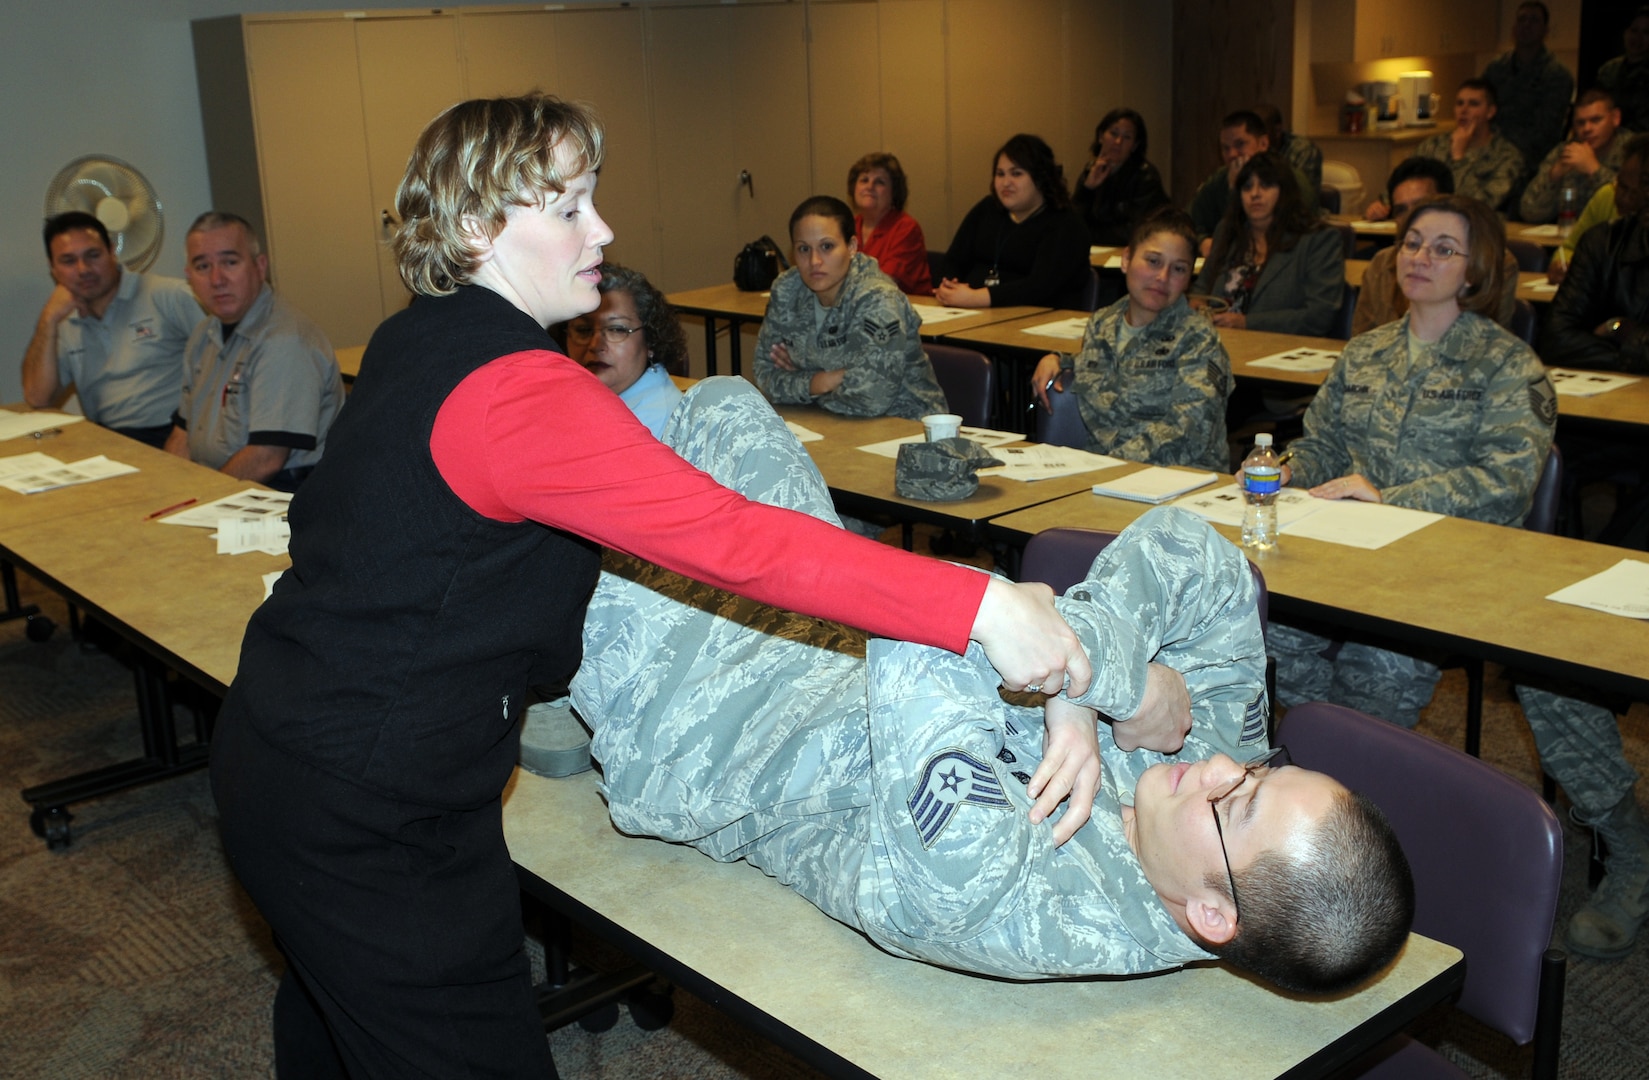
(950, 779)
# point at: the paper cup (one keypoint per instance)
(941, 426)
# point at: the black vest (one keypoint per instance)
(396, 651)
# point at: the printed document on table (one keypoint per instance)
(1225, 505)
(237, 536)
(60, 475)
(34, 461)
(1623, 589)
(803, 434)
(1072, 328)
(1359, 524)
(989, 438)
(1154, 484)
(1041, 461)
(1572, 383)
(250, 503)
(931, 313)
(1298, 360)
(15, 425)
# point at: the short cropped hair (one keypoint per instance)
(1166, 219)
(1327, 916)
(888, 164)
(1483, 85)
(1035, 156)
(470, 165)
(825, 206)
(1142, 141)
(73, 221)
(1595, 95)
(1422, 168)
(1486, 246)
(220, 219)
(664, 335)
(1545, 12)
(1248, 120)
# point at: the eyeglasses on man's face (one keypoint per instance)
(1271, 760)
(611, 333)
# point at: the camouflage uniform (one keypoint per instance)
(1305, 155)
(1463, 429)
(1487, 172)
(872, 332)
(1532, 100)
(1540, 197)
(890, 789)
(1162, 399)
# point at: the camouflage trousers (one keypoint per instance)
(1580, 748)
(1390, 685)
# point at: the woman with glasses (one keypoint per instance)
(632, 343)
(1151, 377)
(1273, 263)
(1119, 187)
(1023, 243)
(838, 332)
(1442, 410)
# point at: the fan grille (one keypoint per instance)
(117, 195)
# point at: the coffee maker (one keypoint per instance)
(1383, 104)
(1419, 104)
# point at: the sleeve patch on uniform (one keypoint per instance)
(1543, 400)
(882, 333)
(1216, 377)
(1253, 721)
(951, 779)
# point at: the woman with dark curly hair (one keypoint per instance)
(1023, 243)
(876, 185)
(1119, 187)
(632, 343)
(1273, 262)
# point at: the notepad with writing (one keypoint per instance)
(1154, 484)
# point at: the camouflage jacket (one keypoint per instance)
(1487, 172)
(1539, 202)
(872, 332)
(1162, 399)
(1533, 101)
(1464, 432)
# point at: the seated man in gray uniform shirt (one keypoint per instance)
(115, 337)
(893, 786)
(260, 382)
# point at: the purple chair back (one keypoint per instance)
(1487, 852)
(1548, 495)
(1063, 426)
(968, 379)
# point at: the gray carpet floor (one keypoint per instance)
(133, 953)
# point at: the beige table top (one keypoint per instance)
(1454, 584)
(771, 959)
(1515, 230)
(728, 301)
(1531, 286)
(854, 473)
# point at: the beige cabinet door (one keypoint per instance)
(409, 73)
(312, 161)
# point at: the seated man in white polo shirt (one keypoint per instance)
(260, 381)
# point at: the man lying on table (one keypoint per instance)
(893, 786)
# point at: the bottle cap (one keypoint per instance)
(1263, 439)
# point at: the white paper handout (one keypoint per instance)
(1154, 484)
(1359, 524)
(932, 313)
(1298, 360)
(1623, 589)
(1572, 383)
(1072, 328)
(34, 461)
(1225, 505)
(14, 425)
(1541, 230)
(60, 475)
(250, 503)
(269, 534)
(1040, 461)
(989, 438)
(803, 434)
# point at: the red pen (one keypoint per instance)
(168, 509)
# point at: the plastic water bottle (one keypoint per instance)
(1568, 204)
(1262, 477)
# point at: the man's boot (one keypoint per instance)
(1607, 926)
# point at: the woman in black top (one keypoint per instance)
(1119, 187)
(1023, 243)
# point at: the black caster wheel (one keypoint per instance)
(601, 1020)
(51, 824)
(651, 1011)
(39, 628)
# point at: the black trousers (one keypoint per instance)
(401, 924)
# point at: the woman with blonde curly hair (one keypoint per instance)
(442, 558)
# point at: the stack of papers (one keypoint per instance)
(930, 313)
(1154, 484)
(29, 474)
(1072, 328)
(249, 520)
(989, 438)
(1571, 383)
(1623, 589)
(1041, 461)
(1298, 360)
(16, 425)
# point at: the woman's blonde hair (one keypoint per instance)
(473, 162)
